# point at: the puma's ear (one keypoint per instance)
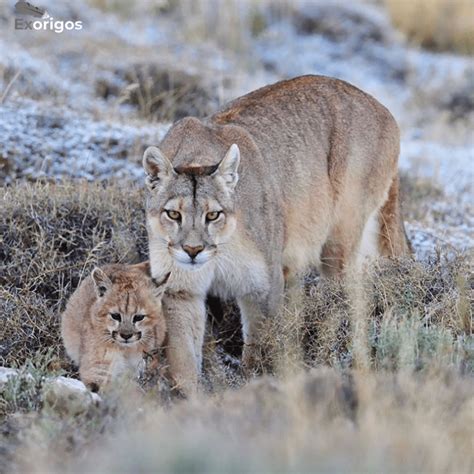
(157, 166)
(227, 169)
(102, 282)
(143, 267)
(160, 285)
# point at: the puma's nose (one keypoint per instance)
(126, 335)
(193, 251)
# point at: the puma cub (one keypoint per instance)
(111, 320)
(297, 174)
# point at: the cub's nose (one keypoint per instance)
(193, 251)
(126, 335)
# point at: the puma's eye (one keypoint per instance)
(116, 316)
(138, 317)
(212, 216)
(173, 215)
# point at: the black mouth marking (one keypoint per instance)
(122, 341)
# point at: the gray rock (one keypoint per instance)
(68, 396)
(5, 374)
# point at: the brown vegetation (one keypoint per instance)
(441, 25)
(395, 344)
(53, 235)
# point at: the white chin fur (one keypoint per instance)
(184, 261)
(189, 266)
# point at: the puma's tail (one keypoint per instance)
(393, 240)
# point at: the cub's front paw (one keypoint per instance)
(95, 379)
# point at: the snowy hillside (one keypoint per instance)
(78, 103)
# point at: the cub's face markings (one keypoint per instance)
(128, 308)
(126, 328)
(116, 316)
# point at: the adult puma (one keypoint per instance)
(296, 174)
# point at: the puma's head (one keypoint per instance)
(191, 210)
(128, 306)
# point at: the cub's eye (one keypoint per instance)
(212, 216)
(138, 317)
(116, 316)
(173, 215)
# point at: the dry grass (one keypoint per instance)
(319, 421)
(159, 92)
(397, 348)
(441, 25)
(52, 236)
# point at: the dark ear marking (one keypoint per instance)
(151, 182)
(102, 282)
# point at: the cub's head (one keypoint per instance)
(128, 309)
(190, 210)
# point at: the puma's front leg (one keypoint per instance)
(186, 320)
(257, 311)
(254, 317)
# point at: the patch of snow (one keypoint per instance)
(427, 241)
(451, 166)
(40, 142)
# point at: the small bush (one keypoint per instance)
(426, 304)
(22, 393)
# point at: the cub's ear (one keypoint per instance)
(227, 169)
(143, 267)
(157, 166)
(102, 282)
(159, 286)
